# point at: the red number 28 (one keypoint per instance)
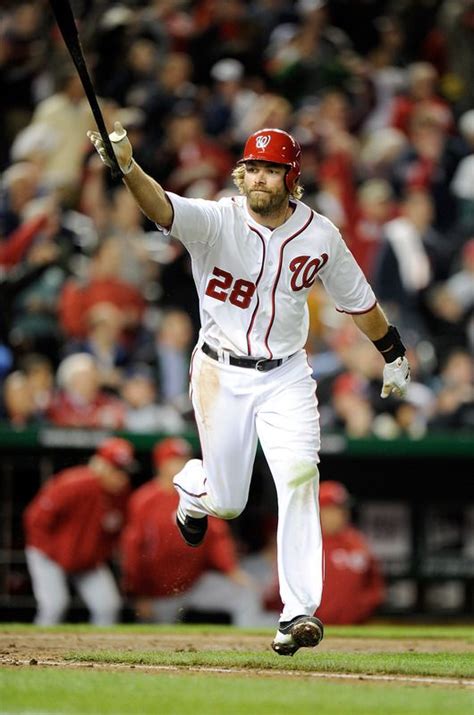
(218, 288)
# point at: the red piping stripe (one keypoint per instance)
(272, 318)
(191, 494)
(191, 365)
(249, 349)
(357, 312)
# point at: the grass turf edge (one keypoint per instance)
(440, 664)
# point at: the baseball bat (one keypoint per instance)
(67, 26)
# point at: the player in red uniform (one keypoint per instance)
(353, 583)
(71, 529)
(161, 572)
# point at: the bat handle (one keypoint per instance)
(116, 173)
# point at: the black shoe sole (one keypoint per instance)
(307, 634)
(194, 535)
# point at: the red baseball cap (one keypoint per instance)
(169, 448)
(118, 452)
(333, 494)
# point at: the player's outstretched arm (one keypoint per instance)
(148, 193)
(385, 337)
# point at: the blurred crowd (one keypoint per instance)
(98, 312)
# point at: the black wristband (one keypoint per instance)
(390, 345)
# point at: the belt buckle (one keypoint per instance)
(259, 365)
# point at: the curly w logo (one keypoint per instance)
(263, 141)
(304, 271)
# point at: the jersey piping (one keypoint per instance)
(277, 278)
(249, 348)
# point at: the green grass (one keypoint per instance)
(132, 693)
(452, 665)
(390, 631)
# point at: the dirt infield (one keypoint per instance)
(44, 646)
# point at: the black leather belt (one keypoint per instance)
(262, 365)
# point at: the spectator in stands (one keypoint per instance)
(314, 59)
(375, 206)
(20, 184)
(168, 354)
(229, 101)
(198, 166)
(352, 407)
(462, 184)
(23, 54)
(39, 372)
(421, 93)
(14, 281)
(103, 340)
(143, 411)
(385, 72)
(65, 114)
(164, 576)
(429, 162)
(71, 529)
(404, 269)
(34, 316)
(102, 282)
(18, 404)
(173, 83)
(455, 393)
(452, 301)
(80, 401)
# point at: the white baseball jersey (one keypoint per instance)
(253, 282)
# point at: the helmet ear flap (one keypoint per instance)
(291, 178)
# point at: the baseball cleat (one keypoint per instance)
(300, 632)
(192, 530)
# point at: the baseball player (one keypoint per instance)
(255, 257)
(72, 527)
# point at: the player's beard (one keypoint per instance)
(266, 203)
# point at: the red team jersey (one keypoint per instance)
(353, 584)
(74, 521)
(155, 560)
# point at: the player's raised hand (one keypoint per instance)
(120, 144)
(396, 378)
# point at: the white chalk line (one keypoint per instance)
(396, 678)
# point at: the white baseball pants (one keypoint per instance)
(96, 587)
(234, 408)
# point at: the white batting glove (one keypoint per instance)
(396, 377)
(120, 144)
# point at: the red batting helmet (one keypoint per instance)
(169, 448)
(333, 494)
(278, 147)
(118, 452)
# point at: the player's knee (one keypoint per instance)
(305, 471)
(227, 513)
